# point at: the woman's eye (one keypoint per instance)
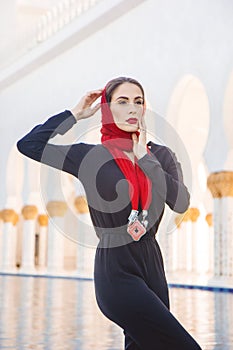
(122, 102)
(139, 102)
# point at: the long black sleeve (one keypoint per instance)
(165, 171)
(35, 144)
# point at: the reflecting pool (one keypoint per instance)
(55, 313)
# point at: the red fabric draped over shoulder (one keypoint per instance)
(117, 141)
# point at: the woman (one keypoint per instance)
(130, 283)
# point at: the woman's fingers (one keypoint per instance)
(83, 109)
(142, 127)
(142, 124)
(139, 148)
(93, 95)
(134, 138)
(97, 92)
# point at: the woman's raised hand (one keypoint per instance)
(139, 143)
(84, 108)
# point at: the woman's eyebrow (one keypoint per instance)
(122, 97)
(126, 98)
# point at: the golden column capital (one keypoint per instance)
(9, 215)
(209, 219)
(226, 180)
(81, 206)
(194, 213)
(43, 220)
(178, 221)
(16, 219)
(186, 216)
(191, 214)
(29, 212)
(220, 184)
(56, 208)
(214, 185)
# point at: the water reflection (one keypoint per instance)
(41, 313)
(206, 315)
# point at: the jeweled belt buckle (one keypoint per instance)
(136, 230)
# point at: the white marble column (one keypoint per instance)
(29, 213)
(175, 237)
(1, 226)
(8, 248)
(209, 220)
(213, 185)
(86, 239)
(169, 251)
(43, 233)
(196, 239)
(182, 245)
(230, 236)
(225, 236)
(185, 241)
(226, 178)
(221, 186)
(179, 245)
(217, 237)
(55, 247)
(189, 246)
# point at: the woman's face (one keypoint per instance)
(127, 106)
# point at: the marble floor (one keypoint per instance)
(58, 313)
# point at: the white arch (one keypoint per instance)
(188, 113)
(228, 121)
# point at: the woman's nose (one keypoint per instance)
(132, 108)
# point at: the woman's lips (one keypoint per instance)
(132, 120)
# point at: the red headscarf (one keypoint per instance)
(117, 141)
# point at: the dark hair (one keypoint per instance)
(114, 83)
